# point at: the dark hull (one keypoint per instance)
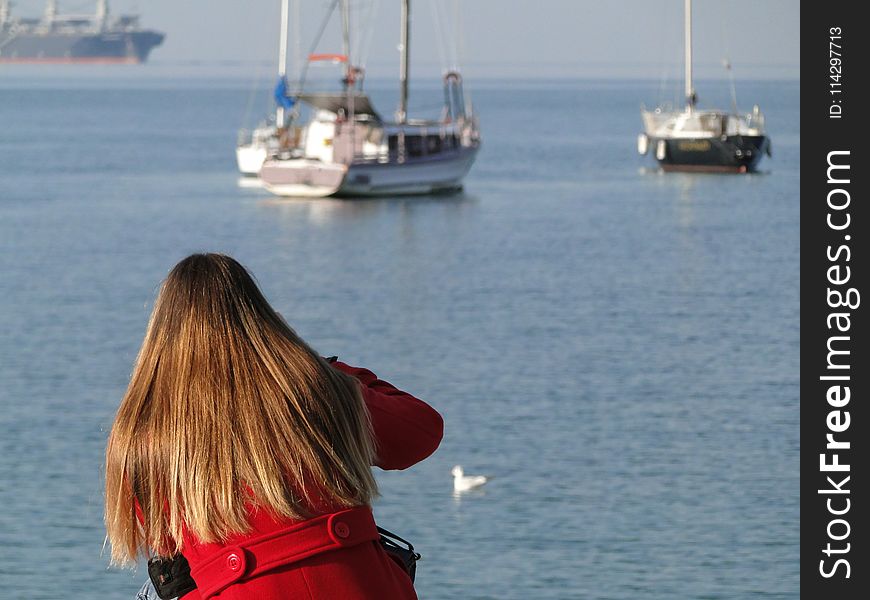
(731, 154)
(109, 47)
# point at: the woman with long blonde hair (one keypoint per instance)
(240, 448)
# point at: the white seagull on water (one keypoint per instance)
(463, 482)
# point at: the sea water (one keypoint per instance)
(615, 347)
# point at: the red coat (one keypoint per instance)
(407, 430)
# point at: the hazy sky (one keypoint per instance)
(529, 38)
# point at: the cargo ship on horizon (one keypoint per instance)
(88, 38)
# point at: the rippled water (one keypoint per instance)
(618, 348)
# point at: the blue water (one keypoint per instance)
(617, 347)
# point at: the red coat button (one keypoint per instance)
(342, 530)
(234, 563)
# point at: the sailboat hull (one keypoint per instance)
(298, 177)
(726, 154)
(302, 178)
(429, 175)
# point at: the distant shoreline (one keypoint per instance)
(250, 69)
(248, 72)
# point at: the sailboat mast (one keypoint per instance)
(402, 115)
(690, 89)
(345, 37)
(282, 56)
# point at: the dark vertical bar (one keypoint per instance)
(834, 336)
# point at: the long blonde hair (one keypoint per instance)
(228, 408)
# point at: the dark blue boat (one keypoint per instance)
(693, 139)
(704, 140)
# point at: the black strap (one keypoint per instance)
(171, 576)
(392, 536)
(406, 557)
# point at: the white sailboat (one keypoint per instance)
(693, 139)
(348, 148)
(255, 146)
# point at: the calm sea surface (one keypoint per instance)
(616, 347)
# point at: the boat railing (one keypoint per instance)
(402, 144)
(416, 138)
